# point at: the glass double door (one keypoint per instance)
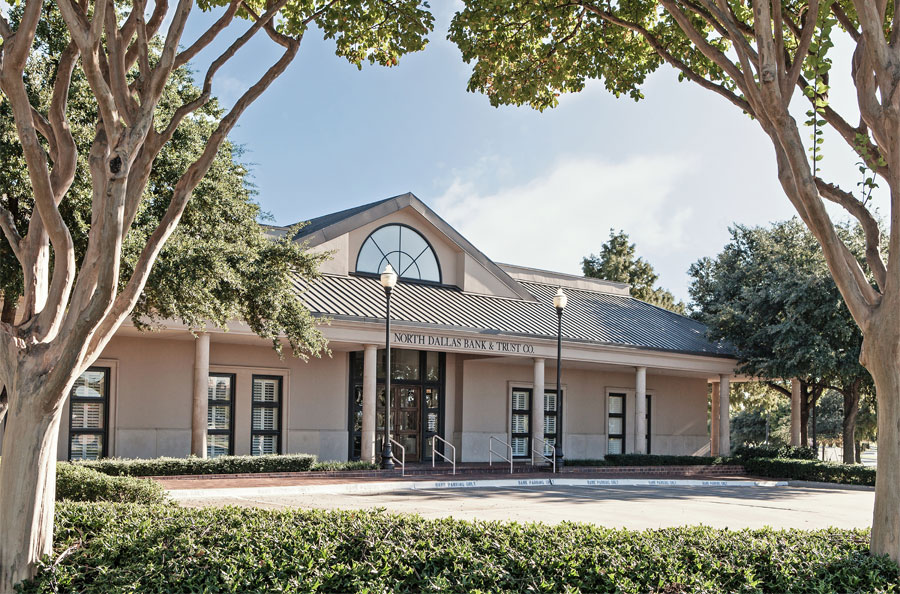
(406, 415)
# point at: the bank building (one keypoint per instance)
(473, 362)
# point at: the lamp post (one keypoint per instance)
(559, 302)
(388, 280)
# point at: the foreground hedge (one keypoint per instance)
(76, 483)
(811, 470)
(129, 548)
(220, 465)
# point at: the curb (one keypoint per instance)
(821, 485)
(384, 487)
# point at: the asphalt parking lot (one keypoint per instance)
(635, 507)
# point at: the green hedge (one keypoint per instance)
(76, 483)
(127, 548)
(811, 470)
(220, 465)
(747, 452)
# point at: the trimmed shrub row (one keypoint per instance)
(746, 452)
(76, 483)
(811, 470)
(118, 548)
(220, 465)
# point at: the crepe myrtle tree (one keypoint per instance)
(762, 57)
(218, 265)
(71, 307)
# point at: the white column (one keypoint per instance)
(640, 411)
(714, 421)
(795, 412)
(724, 423)
(200, 403)
(537, 406)
(370, 360)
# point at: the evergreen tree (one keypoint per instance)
(618, 262)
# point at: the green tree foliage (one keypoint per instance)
(218, 266)
(769, 293)
(618, 262)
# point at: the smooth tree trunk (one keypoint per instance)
(881, 356)
(851, 410)
(27, 482)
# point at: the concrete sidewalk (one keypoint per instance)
(632, 507)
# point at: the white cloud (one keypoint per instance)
(554, 219)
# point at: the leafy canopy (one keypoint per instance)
(219, 265)
(769, 293)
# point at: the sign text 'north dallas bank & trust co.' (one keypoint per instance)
(466, 344)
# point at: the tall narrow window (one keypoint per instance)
(616, 424)
(220, 415)
(521, 423)
(88, 417)
(552, 408)
(265, 434)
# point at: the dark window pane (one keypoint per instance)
(405, 364)
(432, 366)
(432, 398)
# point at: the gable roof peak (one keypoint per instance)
(326, 227)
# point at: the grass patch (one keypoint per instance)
(220, 465)
(117, 548)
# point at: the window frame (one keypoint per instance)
(529, 412)
(558, 413)
(231, 405)
(104, 431)
(623, 415)
(279, 406)
(440, 272)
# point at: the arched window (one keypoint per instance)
(404, 248)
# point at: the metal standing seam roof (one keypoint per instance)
(590, 316)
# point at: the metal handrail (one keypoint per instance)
(434, 451)
(492, 453)
(551, 458)
(402, 460)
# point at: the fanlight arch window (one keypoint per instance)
(404, 248)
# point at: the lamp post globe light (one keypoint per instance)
(388, 281)
(559, 302)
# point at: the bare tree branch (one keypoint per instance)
(209, 35)
(803, 44)
(866, 220)
(125, 300)
(9, 230)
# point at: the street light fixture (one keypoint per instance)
(388, 281)
(559, 302)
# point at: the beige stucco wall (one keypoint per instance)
(677, 419)
(150, 406)
(151, 391)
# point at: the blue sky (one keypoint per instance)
(529, 188)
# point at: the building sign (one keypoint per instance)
(482, 345)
